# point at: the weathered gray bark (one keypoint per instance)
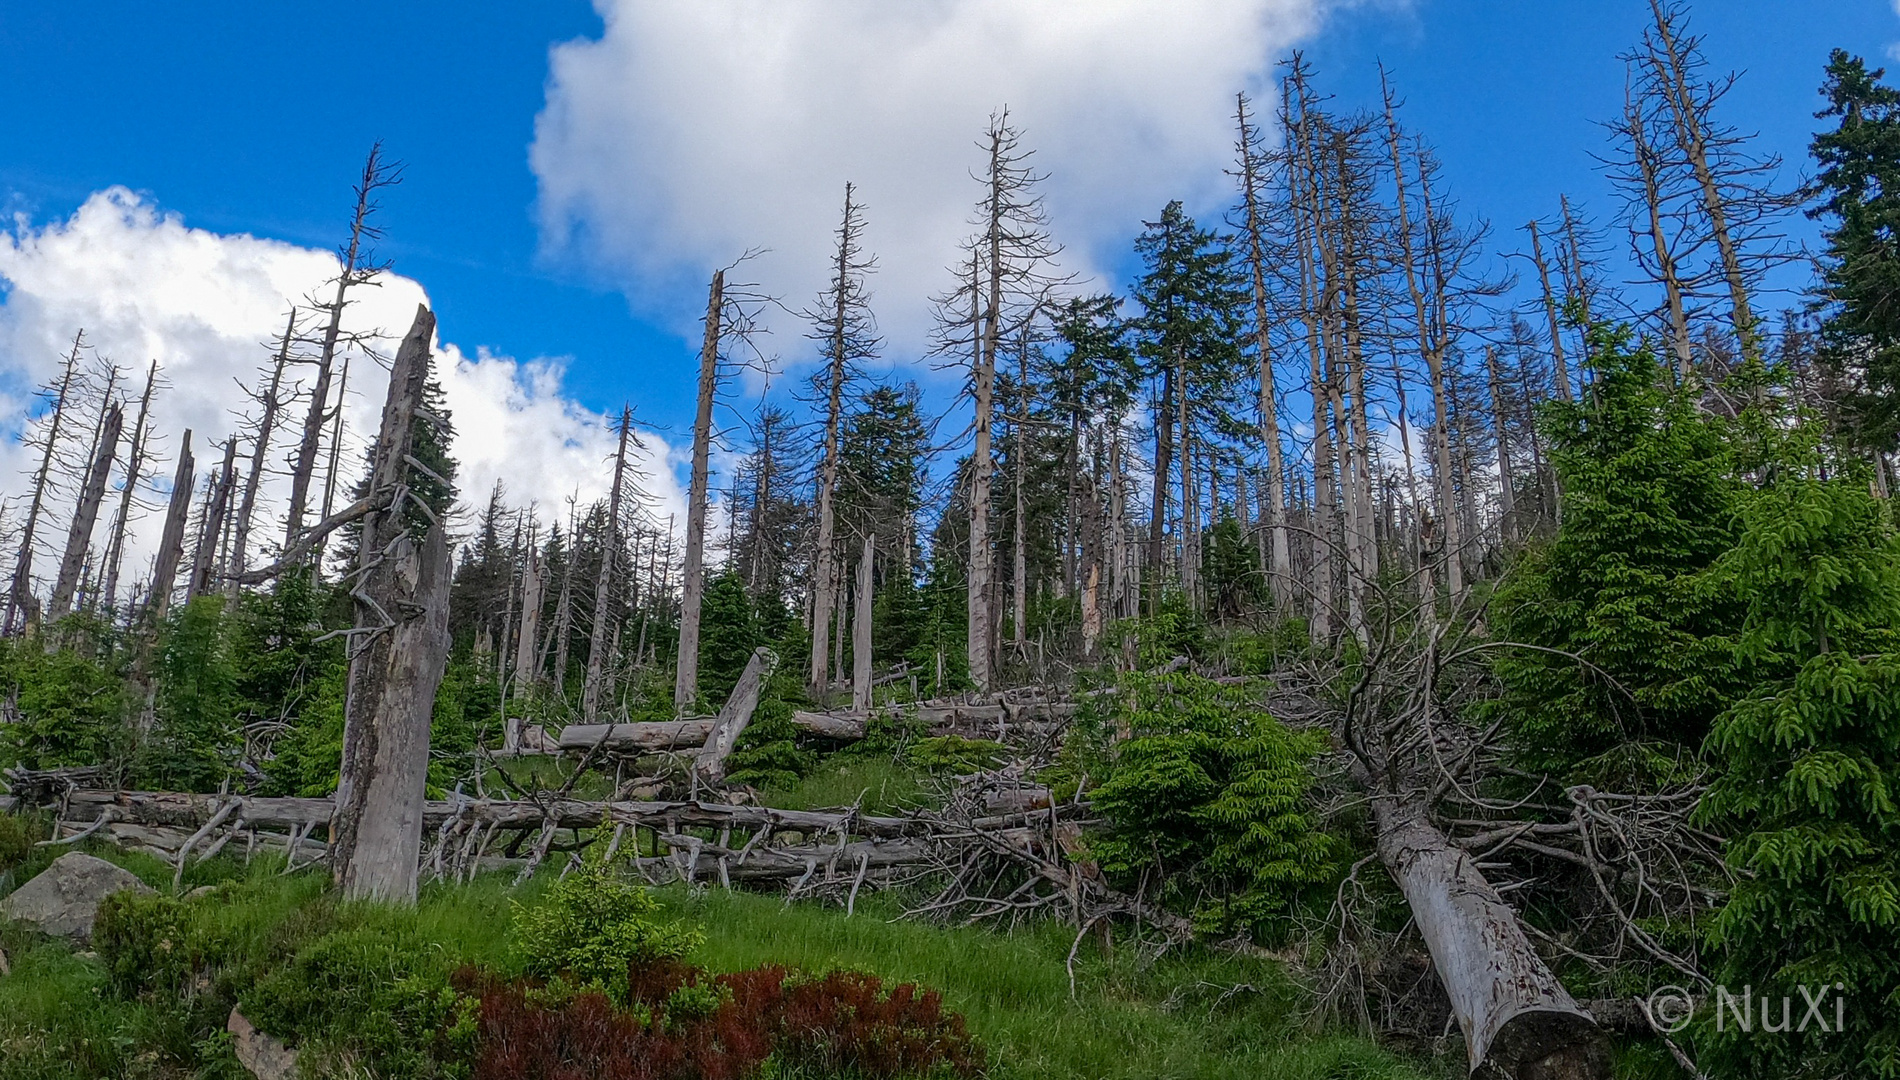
(837, 334)
(1560, 369)
(352, 273)
(20, 603)
(134, 475)
(693, 583)
(204, 560)
(861, 628)
(399, 651)
(378, 824)
(260, 449)
(603, 582)
(1673, 65)
(988, 326)
(645, 737)
(733, 717)
(171, 542)
(86, 515)
(1507, 494)
(1648, 169)
(1514, 1013)
(1431, 350)
(534, 582)
(1279, 565)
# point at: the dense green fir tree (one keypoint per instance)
(1631, 647)
(1808, 780)
(1858, 183)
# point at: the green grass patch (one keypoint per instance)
(876, 784)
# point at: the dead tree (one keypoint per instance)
(171, 541)
(1431, 349)
(1009, 279)
(603, 583)
(693, 581)
(398, 651)
(1253, 177)
(86, 513)
(204, 560)
(1507, 494)
(134, 476)
(21, 607)
(846, 335)
(270, 401)
(861, 629)
(1560, 372)
(358, 268)
(534, 583)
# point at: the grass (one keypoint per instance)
(1187, 1015)
(845, 779)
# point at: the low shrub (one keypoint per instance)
(590, 924)
(678, 1023)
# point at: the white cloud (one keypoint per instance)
(145, 286)
(691, 132)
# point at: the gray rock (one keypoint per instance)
(64, 899)
(266, 1057)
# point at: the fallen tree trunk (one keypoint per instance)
(646, 737)
(734, 716)
(1515, 1015)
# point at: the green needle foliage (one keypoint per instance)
(1810, 783)
(1207, 795)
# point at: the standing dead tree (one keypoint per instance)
(358, 267)
(1253, 179)
(398, 651)
(846, 333)
(693, 580)
(128, 493)
(86, 512)
(22, 608)
(171, 541)
(270, 403)
(1008, 279)
(603, 583)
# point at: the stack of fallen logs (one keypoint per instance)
(1006, 822)
(1015, 715)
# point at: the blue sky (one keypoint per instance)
(252, 118)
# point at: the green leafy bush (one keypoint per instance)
(591, 924)
(1204, 787)
(955, 755)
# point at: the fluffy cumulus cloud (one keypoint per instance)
(144, 286)
(691, 132)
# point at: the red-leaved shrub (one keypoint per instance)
(841, 1023)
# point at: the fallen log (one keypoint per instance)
(1515, 1015)
(734, 716)
(647, 737)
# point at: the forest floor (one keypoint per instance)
(1188, 1013)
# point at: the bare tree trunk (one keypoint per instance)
(134, 473)
(603, 583)
(1273, 495)
(981, 625)
(1117, 529)
(734, 716)
(171, 542)
(21, 607)
(378, 823)
(260, 451)
(861, 629)
(1514, 1013)
(1672, 70)
(399, 651)
(1019, 555)
(1560, 369)
(528, 657)
(1648, 170)
(1430, 351)
(86, 514)
(686, 672)
(353, 273)
(1506, 485)
(204, 559)
(1158, 488)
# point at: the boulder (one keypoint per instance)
(265, 1056)
(65, 897)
